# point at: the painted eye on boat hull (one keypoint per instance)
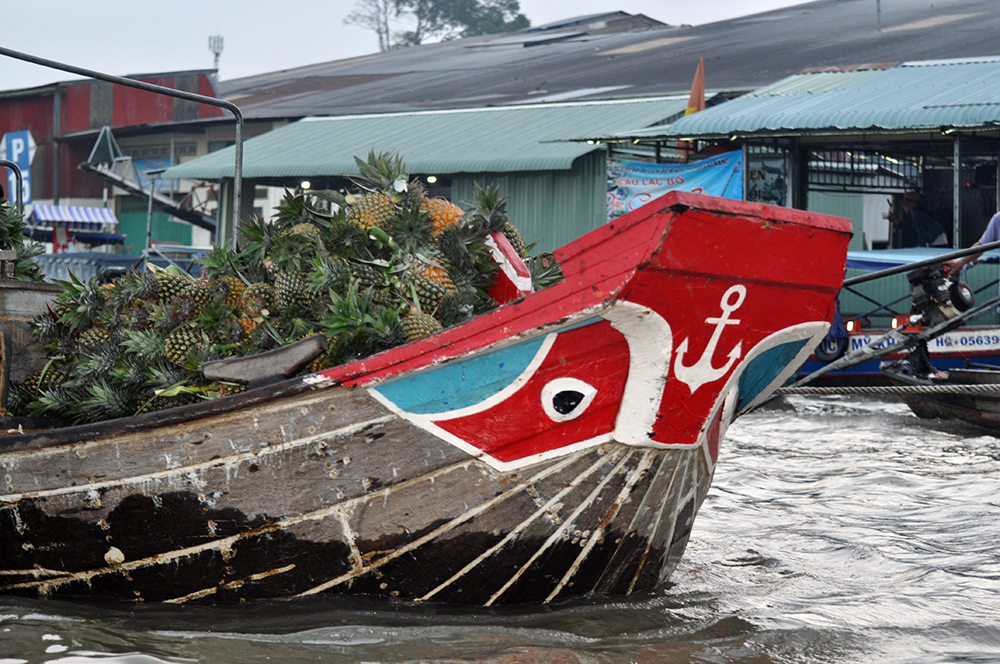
(565, 399)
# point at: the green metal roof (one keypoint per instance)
(913, 96)
(495, 139)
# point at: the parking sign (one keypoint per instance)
(18, 147)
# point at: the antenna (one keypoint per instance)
(215, 46)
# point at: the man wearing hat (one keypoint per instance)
(929, 232)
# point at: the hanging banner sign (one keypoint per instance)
(632, 184)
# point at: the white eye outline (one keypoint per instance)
(554, 387)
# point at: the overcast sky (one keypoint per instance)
(123, 37)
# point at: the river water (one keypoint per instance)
(837, 529)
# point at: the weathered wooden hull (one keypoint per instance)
(341, 496)
(979, 408)
(558, 446)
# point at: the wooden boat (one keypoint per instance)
(868, 315)
(951, 394)
(557, 446)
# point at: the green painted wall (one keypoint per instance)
(133, 215)
(548, 207)
(850, 206)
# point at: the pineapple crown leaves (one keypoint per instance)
(411, 229)
(59, 403)
(334, 199)
(104, 401)
(83, 302)
(26, 269)
(223, 260)
(12, 227)
(545, 271)
(162, 375)
(293, 209)
(131, 287)
(490, 209)
(383, 172)
(348, 240)
(45, 326)
(256, 237)
(147, 344)
(350, 313)
(129, 372)
(329, 273)
(294, 252)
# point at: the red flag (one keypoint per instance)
(696, 102)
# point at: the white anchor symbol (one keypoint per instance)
(702, 371)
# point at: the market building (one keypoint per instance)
(603, 57)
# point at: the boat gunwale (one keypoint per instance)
(518, 319)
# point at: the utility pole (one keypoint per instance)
(878, 22)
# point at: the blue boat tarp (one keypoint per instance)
(883, 259)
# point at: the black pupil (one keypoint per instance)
(565, 401)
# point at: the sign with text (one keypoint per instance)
(18, 147)
(632, 184)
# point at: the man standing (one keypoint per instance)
(991, 234)
(929, 232)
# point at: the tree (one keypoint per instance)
(375, 15)
(436, 19)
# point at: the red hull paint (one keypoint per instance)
(693, 261)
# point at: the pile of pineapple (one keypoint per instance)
(371, 270)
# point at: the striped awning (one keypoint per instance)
(76, 219)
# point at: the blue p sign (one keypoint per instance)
(19, 147)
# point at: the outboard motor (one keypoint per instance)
(937, 296)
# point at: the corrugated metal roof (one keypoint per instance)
(812, 83)
(740, 53)
(923, 95)
(504, 139)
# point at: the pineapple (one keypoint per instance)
(383, 179)
(371, 209)
(427, 292)
(93, 337)
(180, 344)
(418, 325)
(435, 271)
(161, 402)
(291, 289)
(491, 214)
(443, 213)
(199, 293)
(234, 290)
(514, 237)
(259, 299)
(169, 285)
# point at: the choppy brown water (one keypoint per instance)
(838, 529)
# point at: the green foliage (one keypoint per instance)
(435, 19)
(137, 345)
(12, 238)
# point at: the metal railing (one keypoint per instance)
(158, 89)
(20, 182)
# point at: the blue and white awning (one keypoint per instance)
(76, 219)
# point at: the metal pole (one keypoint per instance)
(20, 183)
(158, 89)
(149, 213)
(878, 15)
(956, 198)
(899, 269)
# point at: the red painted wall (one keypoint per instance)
(130, 107)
